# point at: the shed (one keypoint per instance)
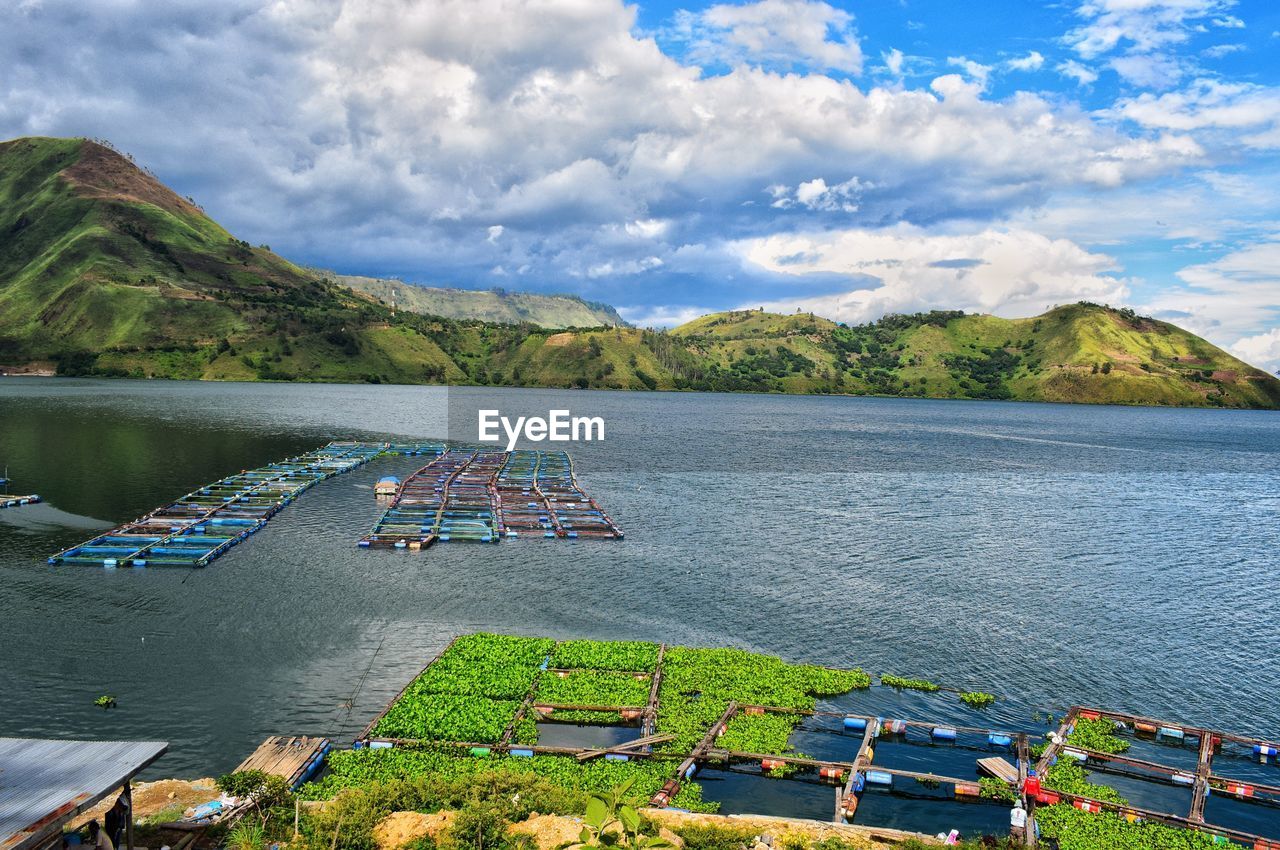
(45, 783)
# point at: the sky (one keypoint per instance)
(851, 158)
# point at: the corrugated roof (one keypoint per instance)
(43, 783)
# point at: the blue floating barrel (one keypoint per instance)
(380, 745)
(139, 562)
(1183, 779)
(1265, 750)
(690, 771)
(364, 543)
(879, 777)
(108, 562)
(522, 753)
(1075, 754)
(943, 733)
(997, 740)
(859, 783)
(855, 724)
(1172, 732)
(616, 757)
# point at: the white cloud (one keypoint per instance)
(815, 194)
(978, 72)
(1251, 112)
(806, 33)
(904, 269)
(661, 316)
(1082, 74)
(1148, 70)
(893, 61)
(1217, 51)
(495, 231)
(1230, 299)
(1033, 61)
(1142, 26)
(1261, 350)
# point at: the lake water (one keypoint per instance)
(1051, 554)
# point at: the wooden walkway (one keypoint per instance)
(292, 759)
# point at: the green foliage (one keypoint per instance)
(698, 685)
(1070, 777)
(248, 834)
(1077, 830)
(1099, 735)
(636, 656)
(471, 693)
(977, 699)
(900, 683)
(611, 820)
(438, 767)
(593, 687)
(759, 733)
(996, 789)
(105, 701)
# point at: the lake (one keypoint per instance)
(1051, 554)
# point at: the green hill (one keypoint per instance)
(488, 305)
(104, 271)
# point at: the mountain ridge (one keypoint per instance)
(105, 271)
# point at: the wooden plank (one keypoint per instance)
(1204, 769)
(1000, 769)
(650, 722)
(646, 741)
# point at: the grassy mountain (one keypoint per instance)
(1076, 353)
(104, 271)
(488, 305)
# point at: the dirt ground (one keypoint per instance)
(151, 798)
(555, 831)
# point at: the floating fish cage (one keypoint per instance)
(205, 523)
(18, 501)
(475, 495)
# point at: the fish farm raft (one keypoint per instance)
(463, 494)
(8, 501)
(686, 724)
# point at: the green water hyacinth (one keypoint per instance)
(977, 699)
(634, 656)
(1077, 830)
(900, 683)
(447, 717)
(1099, 735)
(593, 687)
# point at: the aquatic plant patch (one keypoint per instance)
(447, 717)
(1069, 777)
(360, 768)
(497, 666)
(977, 699)
(1077, 830)
(759, 733)
(698, 685)
(593, 687)
(901, 683)
(1099, 735)
(635, 656)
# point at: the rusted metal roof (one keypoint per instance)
(44, 783)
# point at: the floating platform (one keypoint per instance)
(483, 496)
(293, 759)
(205, 523)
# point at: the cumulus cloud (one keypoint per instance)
(1033, 61)
(1141, 36)
(1082, 74)
(904, 269)
(1261, 350)
(632, 174)
(1250, 111)
(786, 33)
(1233, 300)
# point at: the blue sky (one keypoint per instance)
(850, 158)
